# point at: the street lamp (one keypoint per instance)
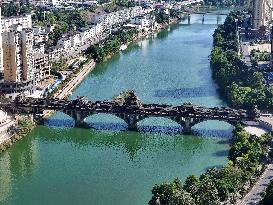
(237, 35)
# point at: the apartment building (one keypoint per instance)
(144, 22)
(44, 2)
(41, 67)
(262, 13)
(7, 22)
(18, 1)
(75, 39)
(39, 48)
(55, 53)
(18, 61)
(114, 18)
(64, 42)
(87, 33)
(40, 34)
(39, 2)
(18, 58)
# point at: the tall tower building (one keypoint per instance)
(18, 54)
(262, 13)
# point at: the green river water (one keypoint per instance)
(59, 164)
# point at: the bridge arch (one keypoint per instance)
(60, 119)
(214, 128)
(106, 121)
(207, 122)
(159, 124)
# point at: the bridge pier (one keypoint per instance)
(189, 19)
(185, 123)
(132, 127)
(80, 123)
(79, 118)
(131, 121)
(187, 126)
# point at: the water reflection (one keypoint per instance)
(5, 178)
(89, 158)
(131, 142)
(21, 161)
(202, 91)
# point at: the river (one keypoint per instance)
(58, 164)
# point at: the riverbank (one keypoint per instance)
(17, 130)
(67, 88)
(104, 50)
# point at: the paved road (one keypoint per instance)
(254, 196)
(75, 81)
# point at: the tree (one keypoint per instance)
(191, 184)
(14, 9)
(162, 194)
(207, 193)
(239, 96)
(257, 80)
(181, 198)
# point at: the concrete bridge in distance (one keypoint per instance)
(130, 109)
(203, 13)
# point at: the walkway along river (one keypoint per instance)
(57, 164)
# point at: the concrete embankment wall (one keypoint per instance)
(265, 125)
(260, 124)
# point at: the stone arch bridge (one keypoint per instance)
(131, 111)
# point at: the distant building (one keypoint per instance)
(262, 13)
(108, 20)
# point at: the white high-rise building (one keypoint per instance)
(262, 13)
